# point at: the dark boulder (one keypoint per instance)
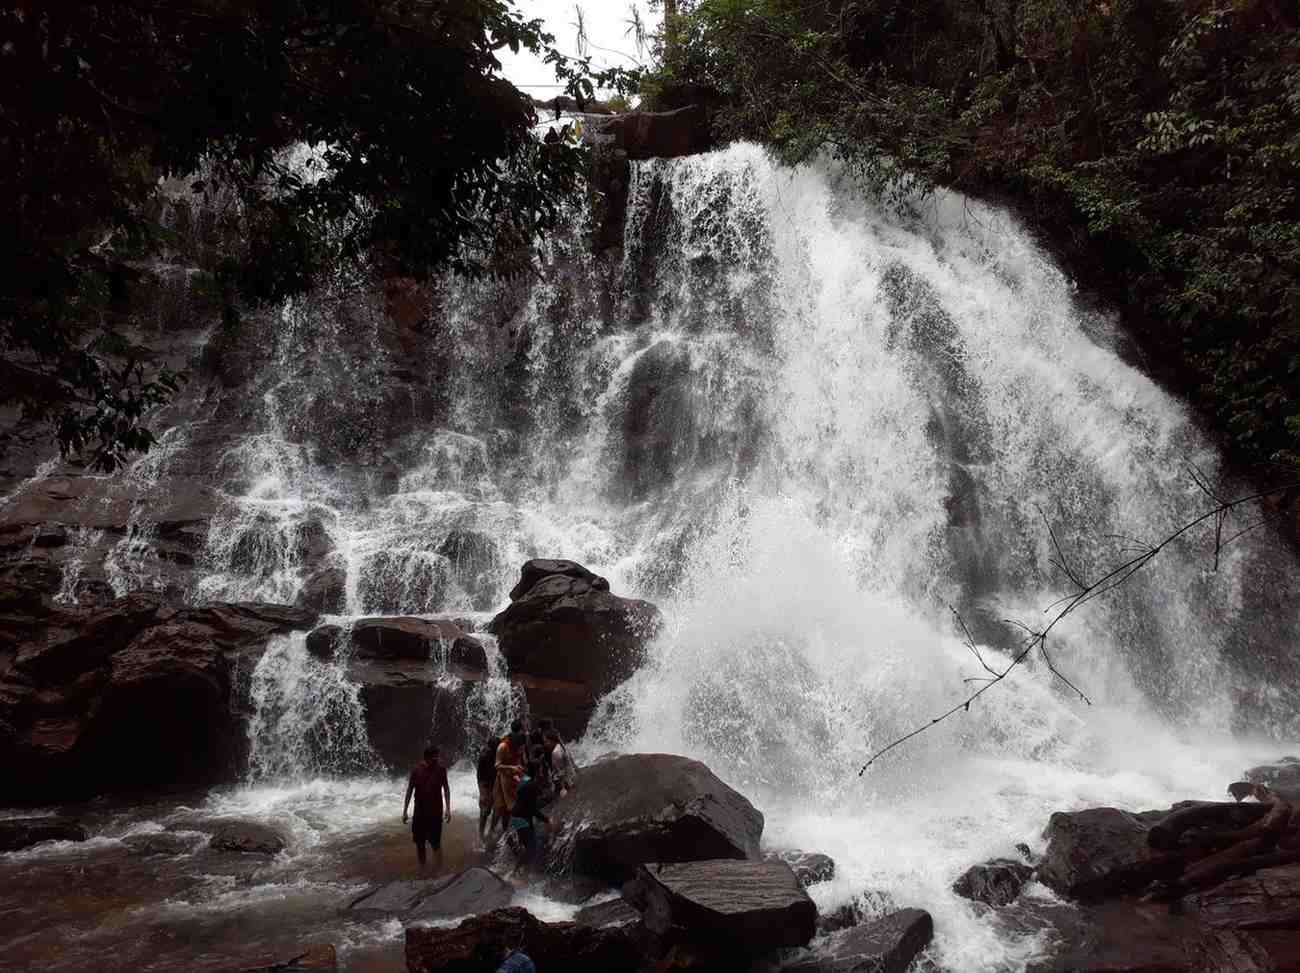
(401, 638)
(995, 882)
(480, 941)
(564, 626)
(1268, 899)
(650, 807)
(1101, 852)
(247, 837)
(1282, 776)
(751, 906)
(540, 568)
(324, 590)
(474, 890)
(810, 867)
(19, 833)
(408, 705)
(885, 945)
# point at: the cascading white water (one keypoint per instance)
(307, 716)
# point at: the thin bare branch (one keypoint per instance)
(1063, 607)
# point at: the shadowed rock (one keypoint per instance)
(478, 943)
(751, 906)
(247, 837)
(1102, 851)
(885, 945)
(472, 891)
(650, 807)
(19, 833)
(995, 882)
(568, 626)
(1268, 899)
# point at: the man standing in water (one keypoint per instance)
(432, 794)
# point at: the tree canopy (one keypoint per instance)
(1154, 144)
(425, 160)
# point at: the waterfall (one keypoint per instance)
(809, 426)
(307, 716)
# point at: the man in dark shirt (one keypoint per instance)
(487, 778)
(432, 794)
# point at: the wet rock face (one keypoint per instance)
(1102, 852)
(885, 945)
(247, 838)
(658, 422)
(136, 694)
(474, 890)
(1269, 899)
(565, 624)
(810, 867)
(996, 883)
(19, 833)
(641, 808)
(751, 906)
(481, 942)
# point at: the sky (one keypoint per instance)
(607, 29)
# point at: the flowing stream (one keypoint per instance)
(809, 427)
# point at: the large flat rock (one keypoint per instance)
(754, 906)
(884, 945)
(1268, 899)
(474, 890)
(650, 807)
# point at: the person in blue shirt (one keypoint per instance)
(526, 809)
(517, 962)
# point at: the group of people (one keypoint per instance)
(517, 777)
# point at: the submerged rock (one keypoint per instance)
(160, 843)
(480, 942)
(751, 906)
(995, 882)
(810, 867)
(247, 837)
(650, 807)
(1101, 852)
(885, 945)
(317, 958)
(19, 833)
(565, 624)
(470, 891)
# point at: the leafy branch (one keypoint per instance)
(1085, 590)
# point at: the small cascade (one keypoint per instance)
(494, 701)
(307, 717)
(133, 563)
(81, 542)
